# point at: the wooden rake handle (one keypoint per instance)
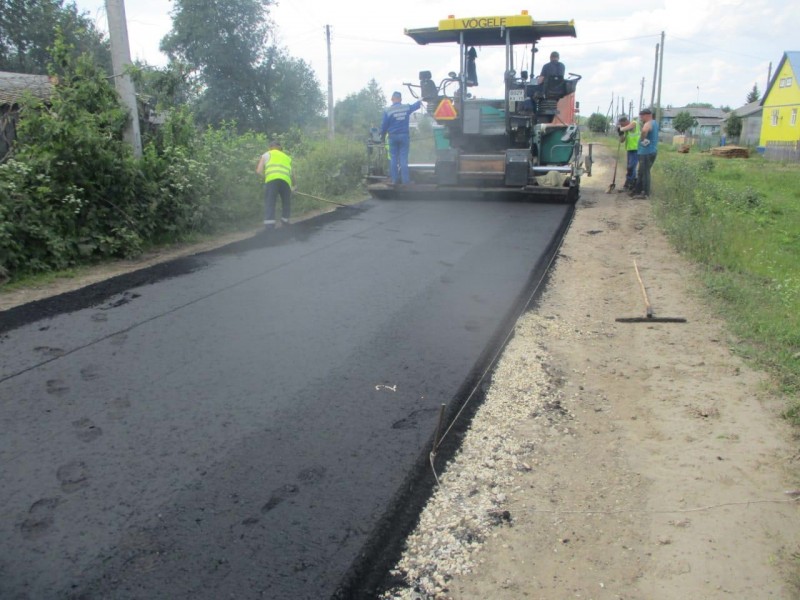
(647, 307)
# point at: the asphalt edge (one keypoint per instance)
(369, 574)
(97, 293)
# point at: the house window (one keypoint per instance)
(793, 120)
(774, 117)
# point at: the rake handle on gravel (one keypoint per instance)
(649, 316)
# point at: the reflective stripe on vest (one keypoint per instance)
(278, 167)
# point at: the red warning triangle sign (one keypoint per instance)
(445, 111)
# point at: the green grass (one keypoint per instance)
(740, 219)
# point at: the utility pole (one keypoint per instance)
(660, 75)
(655, 78)
(330, 83)
(641, 95)
(121, 60)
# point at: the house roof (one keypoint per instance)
(748, 109)
(698, 113)
(794, 61)
(14, 85)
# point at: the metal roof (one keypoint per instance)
(14, 85)
(492, 35)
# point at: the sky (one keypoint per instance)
(714, 50)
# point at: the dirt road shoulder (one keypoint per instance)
(649, 461)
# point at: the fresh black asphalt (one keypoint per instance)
(238, 424)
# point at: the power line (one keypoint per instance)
(716, 48)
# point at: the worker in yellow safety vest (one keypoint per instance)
(629, 132)
(276, 167)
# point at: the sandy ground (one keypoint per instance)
(649, 461)
(652, 463)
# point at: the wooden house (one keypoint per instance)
(780, 126)
(13, 86)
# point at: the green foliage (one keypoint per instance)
(330, 168)
(754, 94)
(741, 219)
(67, 191)
(28, 32)
(360, 111)
(72, 193)
(683, 121)
(598, 123)
(733, 125)
(237, 74)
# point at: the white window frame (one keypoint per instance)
(774, 117)
(793, 119)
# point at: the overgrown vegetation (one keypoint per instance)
(741, 220)
(73, 194)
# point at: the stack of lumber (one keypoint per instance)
(731, 152)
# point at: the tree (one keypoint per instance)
(733, 125)
(754, 94)
(28, 32)
(240, 76)
(699, 105)
(598, 123)
(360, 111)
(683, 121)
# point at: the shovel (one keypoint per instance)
(616, 162)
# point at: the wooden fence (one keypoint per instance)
(783, 151)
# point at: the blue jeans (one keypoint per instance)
(398, 163)
(630, 175)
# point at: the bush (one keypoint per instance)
(68, 191)
(331, 168)
(597, 123)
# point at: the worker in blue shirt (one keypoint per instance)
(395, 124)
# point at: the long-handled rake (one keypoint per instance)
(318, 198)
(649, 316)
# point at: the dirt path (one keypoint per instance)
(649, 463)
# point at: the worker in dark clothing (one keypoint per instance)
(395, 124)
(554, 68)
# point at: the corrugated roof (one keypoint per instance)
(14, 85)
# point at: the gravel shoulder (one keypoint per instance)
(616, 460)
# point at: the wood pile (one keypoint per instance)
(731, 152)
